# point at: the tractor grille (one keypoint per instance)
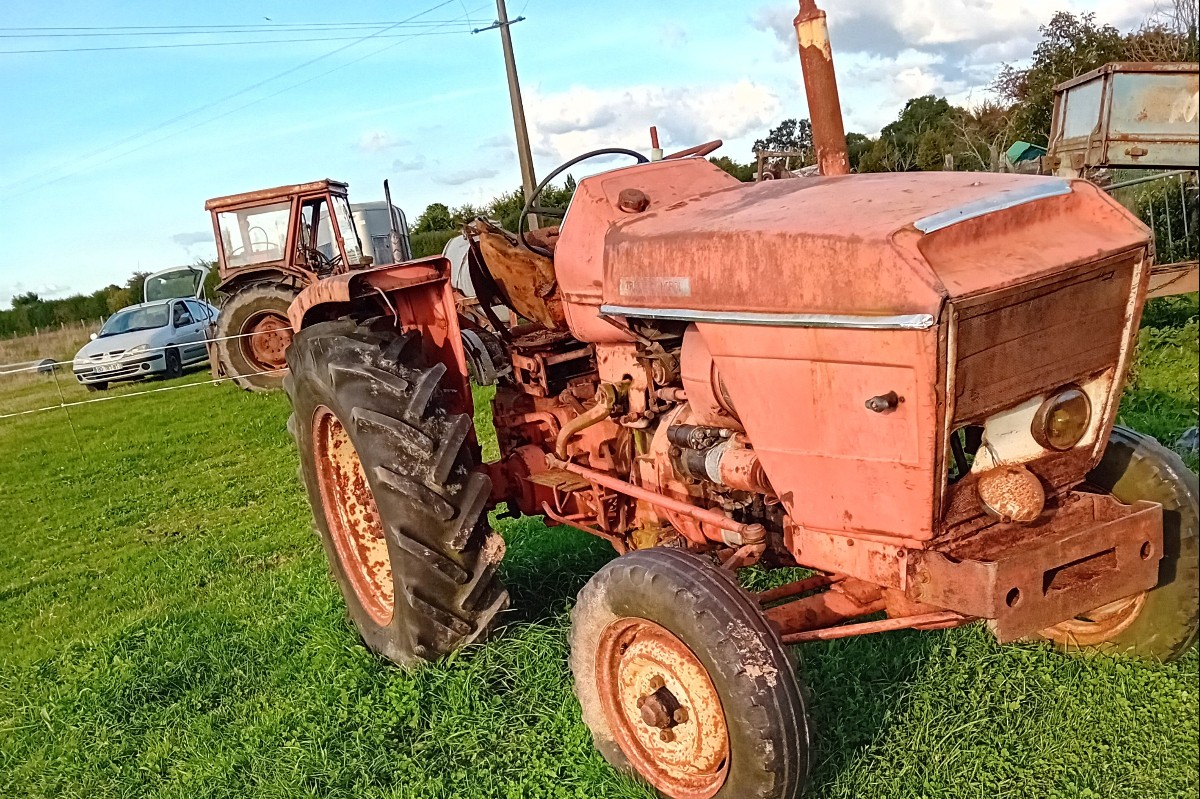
(1034, 340)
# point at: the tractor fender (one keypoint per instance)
(417, 294)
(269, 274)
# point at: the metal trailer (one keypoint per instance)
(1132, 116)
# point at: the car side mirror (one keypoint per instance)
(93, 337)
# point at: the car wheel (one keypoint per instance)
(174, 365)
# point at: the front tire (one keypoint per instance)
(396, 496)
(253, 335)
(1159, 624)
(659, 631)
(174, 366)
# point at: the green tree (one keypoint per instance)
(1071, 45)
(918, 139)
(789, 135)
(857, 145)
(136, 286)
(743, 172)
(464, 214)
(436, 216)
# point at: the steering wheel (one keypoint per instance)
(255, 246)
(531, 206)
(320, 261)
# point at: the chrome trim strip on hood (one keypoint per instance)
(916, 321)
(1009, 198)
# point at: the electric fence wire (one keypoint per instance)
(10, 370)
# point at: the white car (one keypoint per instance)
(160, 337)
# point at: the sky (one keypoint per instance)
(107, 156)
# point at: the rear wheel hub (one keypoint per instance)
(267, 337)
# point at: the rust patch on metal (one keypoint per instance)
(526, 278)
(1088, 551)
(353, 519)
(1011, 494)
(847, 599)
(663, 709)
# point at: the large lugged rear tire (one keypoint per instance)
(1160, 624)
(660, 631)
(395, 492)
(253, 334)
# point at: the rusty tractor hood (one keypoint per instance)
(873, 244)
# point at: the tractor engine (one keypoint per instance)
(758, 372)
(647, 414)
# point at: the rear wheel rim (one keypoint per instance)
(662, 708)
(266, 337)
(352, 517)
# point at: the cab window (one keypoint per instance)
(254, 235)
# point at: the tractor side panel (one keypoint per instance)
(801, 394)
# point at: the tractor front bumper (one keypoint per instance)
(1086, 552)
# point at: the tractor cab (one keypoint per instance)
(305, 231)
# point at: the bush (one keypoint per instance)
(431, 243)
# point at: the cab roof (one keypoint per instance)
(277, 193)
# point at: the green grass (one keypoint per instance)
(168, 629)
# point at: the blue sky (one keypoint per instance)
(107, 157)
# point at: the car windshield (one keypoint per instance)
(132, 319)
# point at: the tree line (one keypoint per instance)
(928, 134)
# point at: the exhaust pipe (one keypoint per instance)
(820, 85)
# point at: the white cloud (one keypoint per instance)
(414, 164)
(47, 291)
(462, 176)
(378, 141)
(565, 124)
(871, 26)
(189, 240)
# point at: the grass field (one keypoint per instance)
(168, 629)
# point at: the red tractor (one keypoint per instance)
(271, 244)
(905, 383)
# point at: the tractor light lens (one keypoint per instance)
(1062, 419)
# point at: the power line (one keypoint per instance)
(218, 28)
(206, 106)
(178, 45)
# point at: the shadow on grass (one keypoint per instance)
(857, 689)
(544, 567)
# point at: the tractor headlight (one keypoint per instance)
(1062, 419)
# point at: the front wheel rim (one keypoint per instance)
(352, 517)
(663, 709)
(1099, 625)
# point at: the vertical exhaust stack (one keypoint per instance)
(820, 85)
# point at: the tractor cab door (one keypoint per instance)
(326, 239)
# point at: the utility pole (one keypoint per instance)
(514, 95)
